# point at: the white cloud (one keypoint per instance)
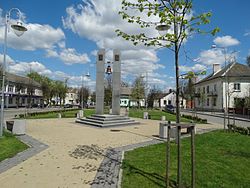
(226, 41)
(69, 56)
(23, 68)
(9, 60)
(97, 20)
(247, 33)
(36, 37)
(195, 68)
(211, 56)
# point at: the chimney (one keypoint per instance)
(216, 68)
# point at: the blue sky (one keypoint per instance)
(64, 35)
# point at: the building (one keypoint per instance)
(72, 96)
(21, 91)
(125, 96)
(168, 99)
(223, 87)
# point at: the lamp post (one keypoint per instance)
(18, 29)
(146, 90)
(87, 75)
(162, 29)
(226, 84)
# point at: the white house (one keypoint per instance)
(168, 99)
(19, 90)
(223, 87)
(72, 96)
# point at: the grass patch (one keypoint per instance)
(65, 114)
(154, 114)
(10, 146)
(222, 160)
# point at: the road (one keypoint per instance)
(218, 118)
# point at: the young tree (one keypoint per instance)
(138, 90)
(174, 14)
(153, 95)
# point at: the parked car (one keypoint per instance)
(68, 106)
(169, 108)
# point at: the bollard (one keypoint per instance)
(163, 130)
(163, 118)
(80, 114)
(59, 115)
(145, 115)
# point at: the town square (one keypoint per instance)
(124, 93)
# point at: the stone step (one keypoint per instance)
(113, 124)
(108, 119)
(101, 121)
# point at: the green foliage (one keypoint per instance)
(50, 88)
(153, 95)
(241, 130)
(221, 160)
(175, 14)
(69, 113)
(138, 90)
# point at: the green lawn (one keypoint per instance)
(222, 160)
(10, 146)
(154, 114)
(65, 114)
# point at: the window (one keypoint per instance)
(10, 100)
(203, 89)
(169, 102)
(207, 89)
(10, 88)
(117, 58)
(23, 100)
(125, 102)
(22, 90)
(100, 57)
(207, 101)
(214, 101)
(215, 87)
(164, 102)
(199, 90)
(236, 86)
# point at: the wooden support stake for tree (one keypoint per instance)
(178, 127)
(168, 155)
(192, 157)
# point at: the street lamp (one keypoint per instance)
(162, 29)
(226, 84)
(146, 90)
(87, 75)
(18, 29)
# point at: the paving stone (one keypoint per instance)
(35, 147)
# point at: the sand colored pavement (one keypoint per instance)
(75, 152)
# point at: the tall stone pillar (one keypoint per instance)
(116, 82)
(99, 107)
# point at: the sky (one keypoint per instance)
(64, 36)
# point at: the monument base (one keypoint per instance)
(107, 120)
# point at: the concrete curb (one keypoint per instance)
(35, 147)
(220, 116)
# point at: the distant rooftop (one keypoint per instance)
(231, 70)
